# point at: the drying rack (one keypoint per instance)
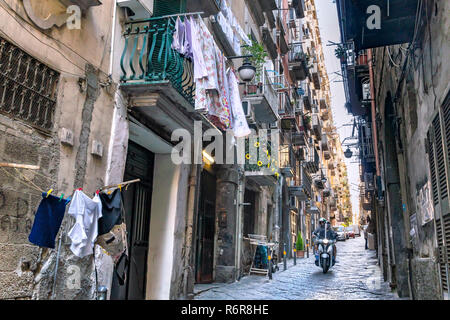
(259, 240)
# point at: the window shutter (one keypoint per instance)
(438, 147)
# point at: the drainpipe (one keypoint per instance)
(374, 117)
(191, 209)
(239, 210)
(113, 38)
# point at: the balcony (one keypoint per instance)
(284, 47)
(315, 76)
(209, 7)
(316, 125)
(303, 191)
(327, 155)
(311, 164)
(256, 11)
(298, 67)
(307, 96)
(395, 28)
(83, 4)
(300, 8)
(325, 115)
(263, 97)
(323, 104)
(299, 139)
(221, 34)
(324, 142)
(270, 41)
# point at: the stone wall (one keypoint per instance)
(425, 83)
(84, 105)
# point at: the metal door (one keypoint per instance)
(137, 203)
(206, 229)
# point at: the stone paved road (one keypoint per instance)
(355, 276)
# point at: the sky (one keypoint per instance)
(329, 31)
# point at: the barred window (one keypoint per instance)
(27, 87)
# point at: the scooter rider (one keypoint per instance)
(320, 233)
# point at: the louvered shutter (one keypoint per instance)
(438, 147)
(168, 7)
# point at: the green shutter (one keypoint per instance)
(167, 7)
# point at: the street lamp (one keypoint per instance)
(247, 71)
(348, 153)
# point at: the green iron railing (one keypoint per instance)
(148, 57)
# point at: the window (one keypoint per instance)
(27, 87)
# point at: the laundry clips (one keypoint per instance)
(49, 192)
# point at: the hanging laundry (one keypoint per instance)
(239, 121)
(178, 36)
(86, 212)
(111, 211)
(187, 51)
(199, 62)
(47, 221)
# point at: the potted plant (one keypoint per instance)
(257, 59)
(300, 247)
(340, 53)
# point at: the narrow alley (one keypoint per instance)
(172, 149)
(355, 276)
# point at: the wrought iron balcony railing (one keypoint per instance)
(148, 57)
(298, 65)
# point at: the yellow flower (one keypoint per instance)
(257, 144)
(247, 156)
(260, 163)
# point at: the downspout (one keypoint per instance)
(239, 209)
(113, 38)
(374, 115)
(191, 209)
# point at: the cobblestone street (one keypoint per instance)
(355, 276)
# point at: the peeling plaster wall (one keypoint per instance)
(426, 85)
(26, 271)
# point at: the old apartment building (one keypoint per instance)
(92, 93)
(397, 82)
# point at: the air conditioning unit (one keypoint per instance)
(141, 9)
(249, 111)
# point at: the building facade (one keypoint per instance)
(95, 95)
(397, 87)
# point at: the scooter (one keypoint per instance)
(325, 254)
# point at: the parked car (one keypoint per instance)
(341, 234)
(350, 232)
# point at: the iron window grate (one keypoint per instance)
(27, 87)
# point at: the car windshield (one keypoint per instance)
(349, 229)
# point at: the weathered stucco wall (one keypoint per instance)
(426, 85)
(25, 270)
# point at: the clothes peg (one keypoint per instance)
(49, 192)
(62, 196)
(120, 187)
(126, 187)
(97, 192)
(80, 189)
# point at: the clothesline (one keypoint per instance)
(18, 165)
(119, 185)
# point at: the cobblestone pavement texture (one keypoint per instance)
(356, 276)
